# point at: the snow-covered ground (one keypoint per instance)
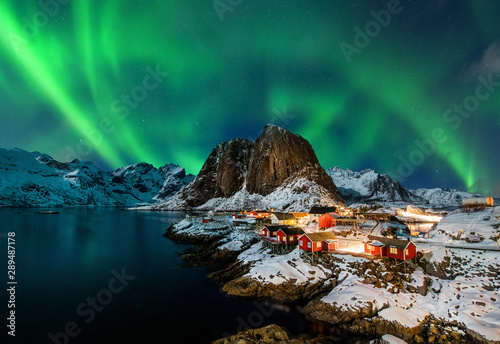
(469, 295)
(295, 195)
(277, 269)
(456, 228)
(423, 218)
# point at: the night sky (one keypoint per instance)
(409, 89)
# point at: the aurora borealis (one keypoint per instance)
(121, 82)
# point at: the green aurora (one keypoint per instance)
(121, 82)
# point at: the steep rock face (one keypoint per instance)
(241, 173)
(222, 174)
(369, 185)
(279, 154)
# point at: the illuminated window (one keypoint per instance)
(318, 244)
(407, 252)
(309, 244)
(394, 250)
(284, 239)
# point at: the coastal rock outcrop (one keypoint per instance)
(285, 292)
(271, 334)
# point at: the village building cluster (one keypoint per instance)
(283, 232)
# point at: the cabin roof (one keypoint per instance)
(292, 231)
(299, 214)
(284, 216)
(400, 244)
(322, 210)
(275, 228)
(333, 214)
(321, 236)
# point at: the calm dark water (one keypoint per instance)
(65, 261)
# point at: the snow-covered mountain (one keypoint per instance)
(35, 179)
(369, 186)
(296, 194)
(443, 197)
(279, 170)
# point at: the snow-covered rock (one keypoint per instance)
(443, 197)
(35, 179)
(369, 185)
(279, 170)
(296, 195)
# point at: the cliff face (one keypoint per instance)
(245, 171)
(280, 154)
(222, 174)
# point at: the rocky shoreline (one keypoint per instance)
(321, 277)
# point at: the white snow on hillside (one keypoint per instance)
(298, 195)
(443, 197)
(278, 269)
(459, 228)
(35, 179)
(369, 185)
(469, 299)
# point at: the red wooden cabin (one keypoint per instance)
(314, 242)
(328, 220)
(330, 245)
(289, 235)
(268, 233)
(391, 248)
(374, 248)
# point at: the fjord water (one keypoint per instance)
(64, 261)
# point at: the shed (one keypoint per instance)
(374, 247)
(328, 220)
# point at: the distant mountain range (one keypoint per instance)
(35, 179)
(370, 186)
(278, 170)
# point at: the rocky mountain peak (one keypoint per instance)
(278, 154)
(369, 185)
(256, 168)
